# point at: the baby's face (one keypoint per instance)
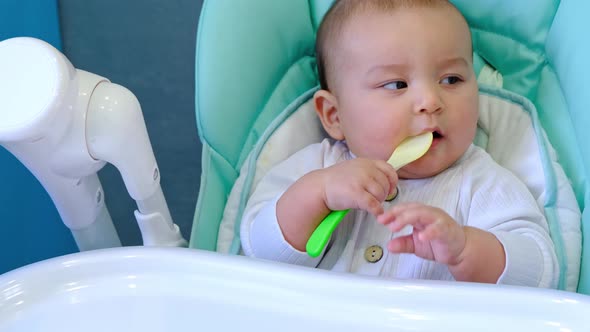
(404, 73)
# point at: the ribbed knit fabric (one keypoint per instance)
(475, 191)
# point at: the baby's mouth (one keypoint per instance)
(437, 137)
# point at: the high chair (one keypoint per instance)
(255, 74)
(255, 67)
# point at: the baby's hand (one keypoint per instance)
(358, 184)
(436, 236)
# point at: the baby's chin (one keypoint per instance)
(406, 175)
(420, 169)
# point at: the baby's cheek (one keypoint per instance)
(375, 146)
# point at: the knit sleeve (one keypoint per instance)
(501, 204)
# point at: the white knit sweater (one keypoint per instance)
(475, 191)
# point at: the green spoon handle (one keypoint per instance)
(319, 238)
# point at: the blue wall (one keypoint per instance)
(31, 227)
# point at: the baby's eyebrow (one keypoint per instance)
(398, 68)
(392, 67)
(458, 61)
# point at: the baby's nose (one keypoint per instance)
(428, 101)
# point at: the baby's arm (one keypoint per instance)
(293, 198)
(470, 253)
(359, 183)
(504, 206)
(520, 226)
(498, 209)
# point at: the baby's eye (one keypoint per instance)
(395, 85)
(451, 80)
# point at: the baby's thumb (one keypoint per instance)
(392, 194)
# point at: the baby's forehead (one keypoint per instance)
(353, 31)
(358, 18)
(343, 33)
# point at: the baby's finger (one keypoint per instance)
(419, 218)
(402, 244)
(391, 175)
(390, 215)
(437, 230)
(369, 203)
(378, 186)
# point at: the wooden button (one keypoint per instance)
(393, 196)
(373, 254)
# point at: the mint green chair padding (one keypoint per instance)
(254, 58)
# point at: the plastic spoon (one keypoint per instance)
(409, 150)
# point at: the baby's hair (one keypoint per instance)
(340, 13)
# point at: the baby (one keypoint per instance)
(391, 69)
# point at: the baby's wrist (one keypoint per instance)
(318, 179)
(482, 258)
(463, 254)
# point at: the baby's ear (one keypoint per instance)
(326, 106)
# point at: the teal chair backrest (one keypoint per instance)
(254, 58)
(31, 229)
